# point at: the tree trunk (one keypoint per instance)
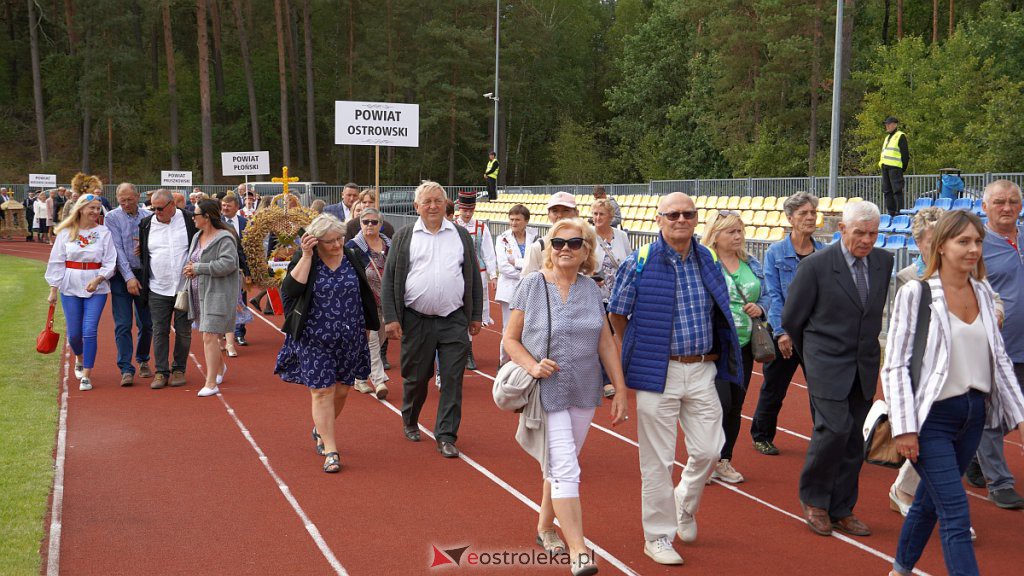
(204, 92)
(13, 67)
(172, 84)
(951, 9)
(307, 36)
(86, 137)
(451, 117)
(899, 20)
(935, 22)
(110, 128)
(37, 80)
(293, 65)
(73, 40)
(812, 139)
(243, 42)
(218, 65)
(283, 84)
(885, 22)
(351, 77)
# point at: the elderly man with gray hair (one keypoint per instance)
(164, 239)
(833, 315)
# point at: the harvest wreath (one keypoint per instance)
(285, 224)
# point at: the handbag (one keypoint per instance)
(506, 393)
(879, 445)
(761, 342)
(47, 340)
(181, 303)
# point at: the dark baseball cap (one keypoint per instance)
(890, 120)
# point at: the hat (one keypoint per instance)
(467, 198)
(562, 199)
(890, 120)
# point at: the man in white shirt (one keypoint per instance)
(432, 293)
(164, 238)
(486, 260)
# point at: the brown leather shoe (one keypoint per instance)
(447, 449)
(852, 526)
(127, 379)
(817, 520)
(177, 379)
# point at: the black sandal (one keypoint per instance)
(333, 463)
(319, 444)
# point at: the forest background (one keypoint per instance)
(591, 90)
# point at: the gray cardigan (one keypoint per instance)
(217, 270)
(396, 269)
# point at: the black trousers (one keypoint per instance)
(831, 471)
(777, 375)
(422, 336)
(161, 310)
(732, 397)
(892, 189)
(492, 188)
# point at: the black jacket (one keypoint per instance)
(144, 226)
(298, 297)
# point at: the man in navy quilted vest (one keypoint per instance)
(670, 310)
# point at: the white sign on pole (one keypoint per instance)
(175, 178)
(376, 123)
(245, 163)
(42, 180)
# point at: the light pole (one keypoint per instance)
(837, 97)
(497, 46)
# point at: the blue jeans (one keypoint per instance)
(121, 304)
(82, 316)
(990, 451)
(947, 442)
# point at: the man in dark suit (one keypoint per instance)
(229, 206)
(834, 315)
(432, 295)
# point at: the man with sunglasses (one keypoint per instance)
(672, 359)
(126, 300)
(164, 238)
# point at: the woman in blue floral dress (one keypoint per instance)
(328, 309)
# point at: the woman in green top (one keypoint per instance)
(747, 300)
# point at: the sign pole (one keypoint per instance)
(376, 176)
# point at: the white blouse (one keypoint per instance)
(970, 360)
(40, 211)
(92, 245)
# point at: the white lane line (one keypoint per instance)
(522, 498)
(57, 506)
(311, 528)
(837, 535)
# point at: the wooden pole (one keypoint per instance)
(376, 176)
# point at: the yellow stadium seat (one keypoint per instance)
(762, 233)
(777, 233)
(747, 216)
(699, 229)
(651, 226)
(702, 215)
(838, 204)
(721, 202)
(819, 221)
(733, 203)
(773, 218)
(652, 201)
(745, 203)
(700, 201)
(759, 217)
(855, 199)
(749, 231)
(772, 203)
(711, 216)
(757, 203)
(824, 204)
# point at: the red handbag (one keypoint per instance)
(47, 340)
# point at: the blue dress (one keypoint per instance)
(333, 347)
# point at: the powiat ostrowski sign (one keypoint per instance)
(376, 123)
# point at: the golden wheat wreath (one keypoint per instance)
(285, 223)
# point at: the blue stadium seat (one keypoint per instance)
(922, 202)
(901, 224)
(885, 223)
(977, 207)
(896, 241)
(912, 244)
(880, 243)
(963, 204)
(944, 203)
(835, 238)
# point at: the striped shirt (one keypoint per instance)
(124, 229)
(908, 410)
(692, 325)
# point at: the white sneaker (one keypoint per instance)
(662, 552)
(220, 377)
(382, 391)
(84, 384)
(363, 386)
(687, 524)
(204, 391)
(726, 473)
(79, 370)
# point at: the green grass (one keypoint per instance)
(28, 413)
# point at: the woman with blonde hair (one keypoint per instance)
(748, 300)
(563, 301)
(82, 261)
(966, 382)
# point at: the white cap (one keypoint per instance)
(562, 199)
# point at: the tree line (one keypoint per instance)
(590, 90)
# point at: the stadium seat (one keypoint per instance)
(773, 218)
(733, 203)
(748, 231)
(880, 242)
(747, 216)
(900, 224)
(920, 204)
(885, 223)
(712, 215)
(745, 203)
(835, 237)
(721, 202)
(944, 203)
(896, 241)
(819, 220)
(963, 204)
(700, 201)
(762, 233)
(977, 207)
(912, 244)
(855, 199)
(777, 233)
(702, 215)
(824, 204)
(699, 229)
(838, 204)
(757, 203)
(759, 218)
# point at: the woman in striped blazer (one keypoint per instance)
(966, 381)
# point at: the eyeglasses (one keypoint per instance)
(673, 216)
(197, 214)
(160, 208)
(371, 222)
(573, 243)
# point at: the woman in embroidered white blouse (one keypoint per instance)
(82, 260)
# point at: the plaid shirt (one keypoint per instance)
(692, 331)
(124, 229)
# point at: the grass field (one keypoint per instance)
(28, 414)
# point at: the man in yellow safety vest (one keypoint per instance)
(491, 176)
(893, 161)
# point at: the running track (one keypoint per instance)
(162, 482)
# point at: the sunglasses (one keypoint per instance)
(371, 222)
(160, 208)
(90, 197)
(573, 243)
(673, 216)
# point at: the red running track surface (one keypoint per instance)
(163, 482)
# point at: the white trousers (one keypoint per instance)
(486, 319)
(691, 400)
(567, 430)
(505, 313)
(377, 374)
(908, 479)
